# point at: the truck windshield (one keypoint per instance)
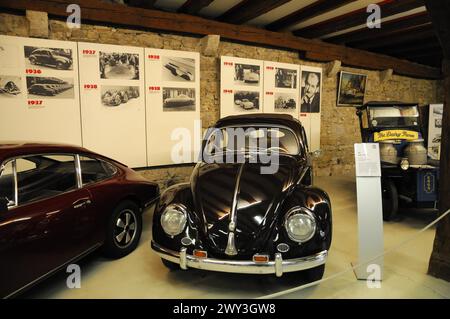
(393, 116)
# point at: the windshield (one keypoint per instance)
(395, 116)
(252, 139)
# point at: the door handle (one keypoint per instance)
(82, 203)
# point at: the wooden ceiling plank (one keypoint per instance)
(313, 10)
(146, 4)
(412, 34)
(98, 11)
(247, 10)
(194, 6)
(357, 18)
(388, 27)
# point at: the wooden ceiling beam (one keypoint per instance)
(357, 18)
(146, 4)
(98, 11)
(387, 28)
(412, 34)
(194, 6)
(247, 10)
(313, 10)
(431, 42)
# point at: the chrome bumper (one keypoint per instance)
(277, 266)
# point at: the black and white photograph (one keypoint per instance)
(178, 99)
(285, 78)
(285, 102)
(310, 93)
(246, 100)
(117, 65)
(50, 87)
(178, 69)
(10, 86)
(53, 58)
(352, 87)
(246, 74)
(113, 95)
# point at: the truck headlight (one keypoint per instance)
(300, 224)
(173, 219)
(404, 164)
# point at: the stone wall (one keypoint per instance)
(340, 128)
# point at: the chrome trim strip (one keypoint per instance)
(78, 171)
(16, 187)
(231, 247)
(244, 266)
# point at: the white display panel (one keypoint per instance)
(434, 130)
(241, 86)
(113, 101)
(311, 103)
(172, 84)
(281, 88)
(39, 93)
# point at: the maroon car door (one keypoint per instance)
(48, 228)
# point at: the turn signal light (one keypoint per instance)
(200, 254)
(260, 258)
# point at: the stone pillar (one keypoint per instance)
(38, 23)
(440, 258)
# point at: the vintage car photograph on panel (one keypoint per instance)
(57, 204)
(232, 217)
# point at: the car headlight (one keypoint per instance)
(300, 224)
(173, 219)
(404, 164)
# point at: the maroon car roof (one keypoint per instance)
(12, 149)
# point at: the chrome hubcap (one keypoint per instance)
(125, 228)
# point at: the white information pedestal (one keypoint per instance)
(370, 211)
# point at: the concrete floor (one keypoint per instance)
(142, 275)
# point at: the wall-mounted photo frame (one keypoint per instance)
(352, 88)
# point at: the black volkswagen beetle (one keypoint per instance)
(240, 215)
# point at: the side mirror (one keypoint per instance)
(3, 204)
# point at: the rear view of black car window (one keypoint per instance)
(94, 170)
(41, 177)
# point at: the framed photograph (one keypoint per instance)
(352, 87)
(114, 95)
(178, 69)
(10, 86)
(119, 65)
(54, 58)
(246, 101)
(50, 87)
(178, 99)
(285, 78)
(311, 91)
(246, 74)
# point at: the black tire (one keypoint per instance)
(33, 61)
(390, 199)
(60, 66)
(170, 265)
(314, 274)
(117, 246)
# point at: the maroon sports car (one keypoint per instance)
(58, 203)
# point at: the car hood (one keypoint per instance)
(259, 196)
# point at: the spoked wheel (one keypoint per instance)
(124, 230)
(390, 199)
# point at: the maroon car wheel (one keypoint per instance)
(123, 230)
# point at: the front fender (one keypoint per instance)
(177, 194)
(318, 202)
